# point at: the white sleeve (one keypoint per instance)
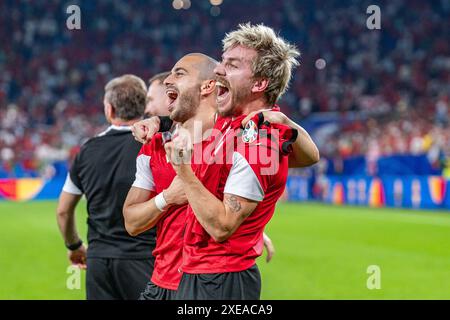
(144, 176)
(242, 180)
(70, 187)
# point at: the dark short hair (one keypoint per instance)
(127, 95)
(159, 77)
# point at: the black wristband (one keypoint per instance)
(75, 246)
(165, 123)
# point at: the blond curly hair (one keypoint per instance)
(275, 60)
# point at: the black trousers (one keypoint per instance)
(117, 279)
(243, 285)
(154, 292)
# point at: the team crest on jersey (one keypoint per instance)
(250, 132)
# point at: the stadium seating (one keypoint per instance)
(394, 81)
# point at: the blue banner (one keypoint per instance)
(413, 191)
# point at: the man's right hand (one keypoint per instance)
(175, 195)
(78, 257)
(144, 130)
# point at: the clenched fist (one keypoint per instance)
(144, 130)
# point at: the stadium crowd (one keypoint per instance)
(52, 78)
(411, 133)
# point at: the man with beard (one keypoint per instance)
(191, 93)
(157, 197)
(232, 196)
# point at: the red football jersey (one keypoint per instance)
(251, 163)
(155, 174)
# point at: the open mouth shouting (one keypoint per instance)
(223, 92)
(172, 96)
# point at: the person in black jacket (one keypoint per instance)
(118, 265)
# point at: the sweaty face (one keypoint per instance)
(156, 104)
(183, 90)
(234, 80)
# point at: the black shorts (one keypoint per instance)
(154, 292)
(117, 279)
(243, 285)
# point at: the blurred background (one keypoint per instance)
(376, 102)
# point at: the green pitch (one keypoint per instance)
(322, 252)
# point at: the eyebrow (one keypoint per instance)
(231, 59)
(180, 69)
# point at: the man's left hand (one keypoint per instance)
(269, 115)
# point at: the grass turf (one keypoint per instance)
(322, 252)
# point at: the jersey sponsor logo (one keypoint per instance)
(250, 132)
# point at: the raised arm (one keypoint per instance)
(143, 207)
(305, 152)
(219, 218)
(142, 211)
(139, 211)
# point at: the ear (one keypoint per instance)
(208, 87)
(109, 111)
(260, 85)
